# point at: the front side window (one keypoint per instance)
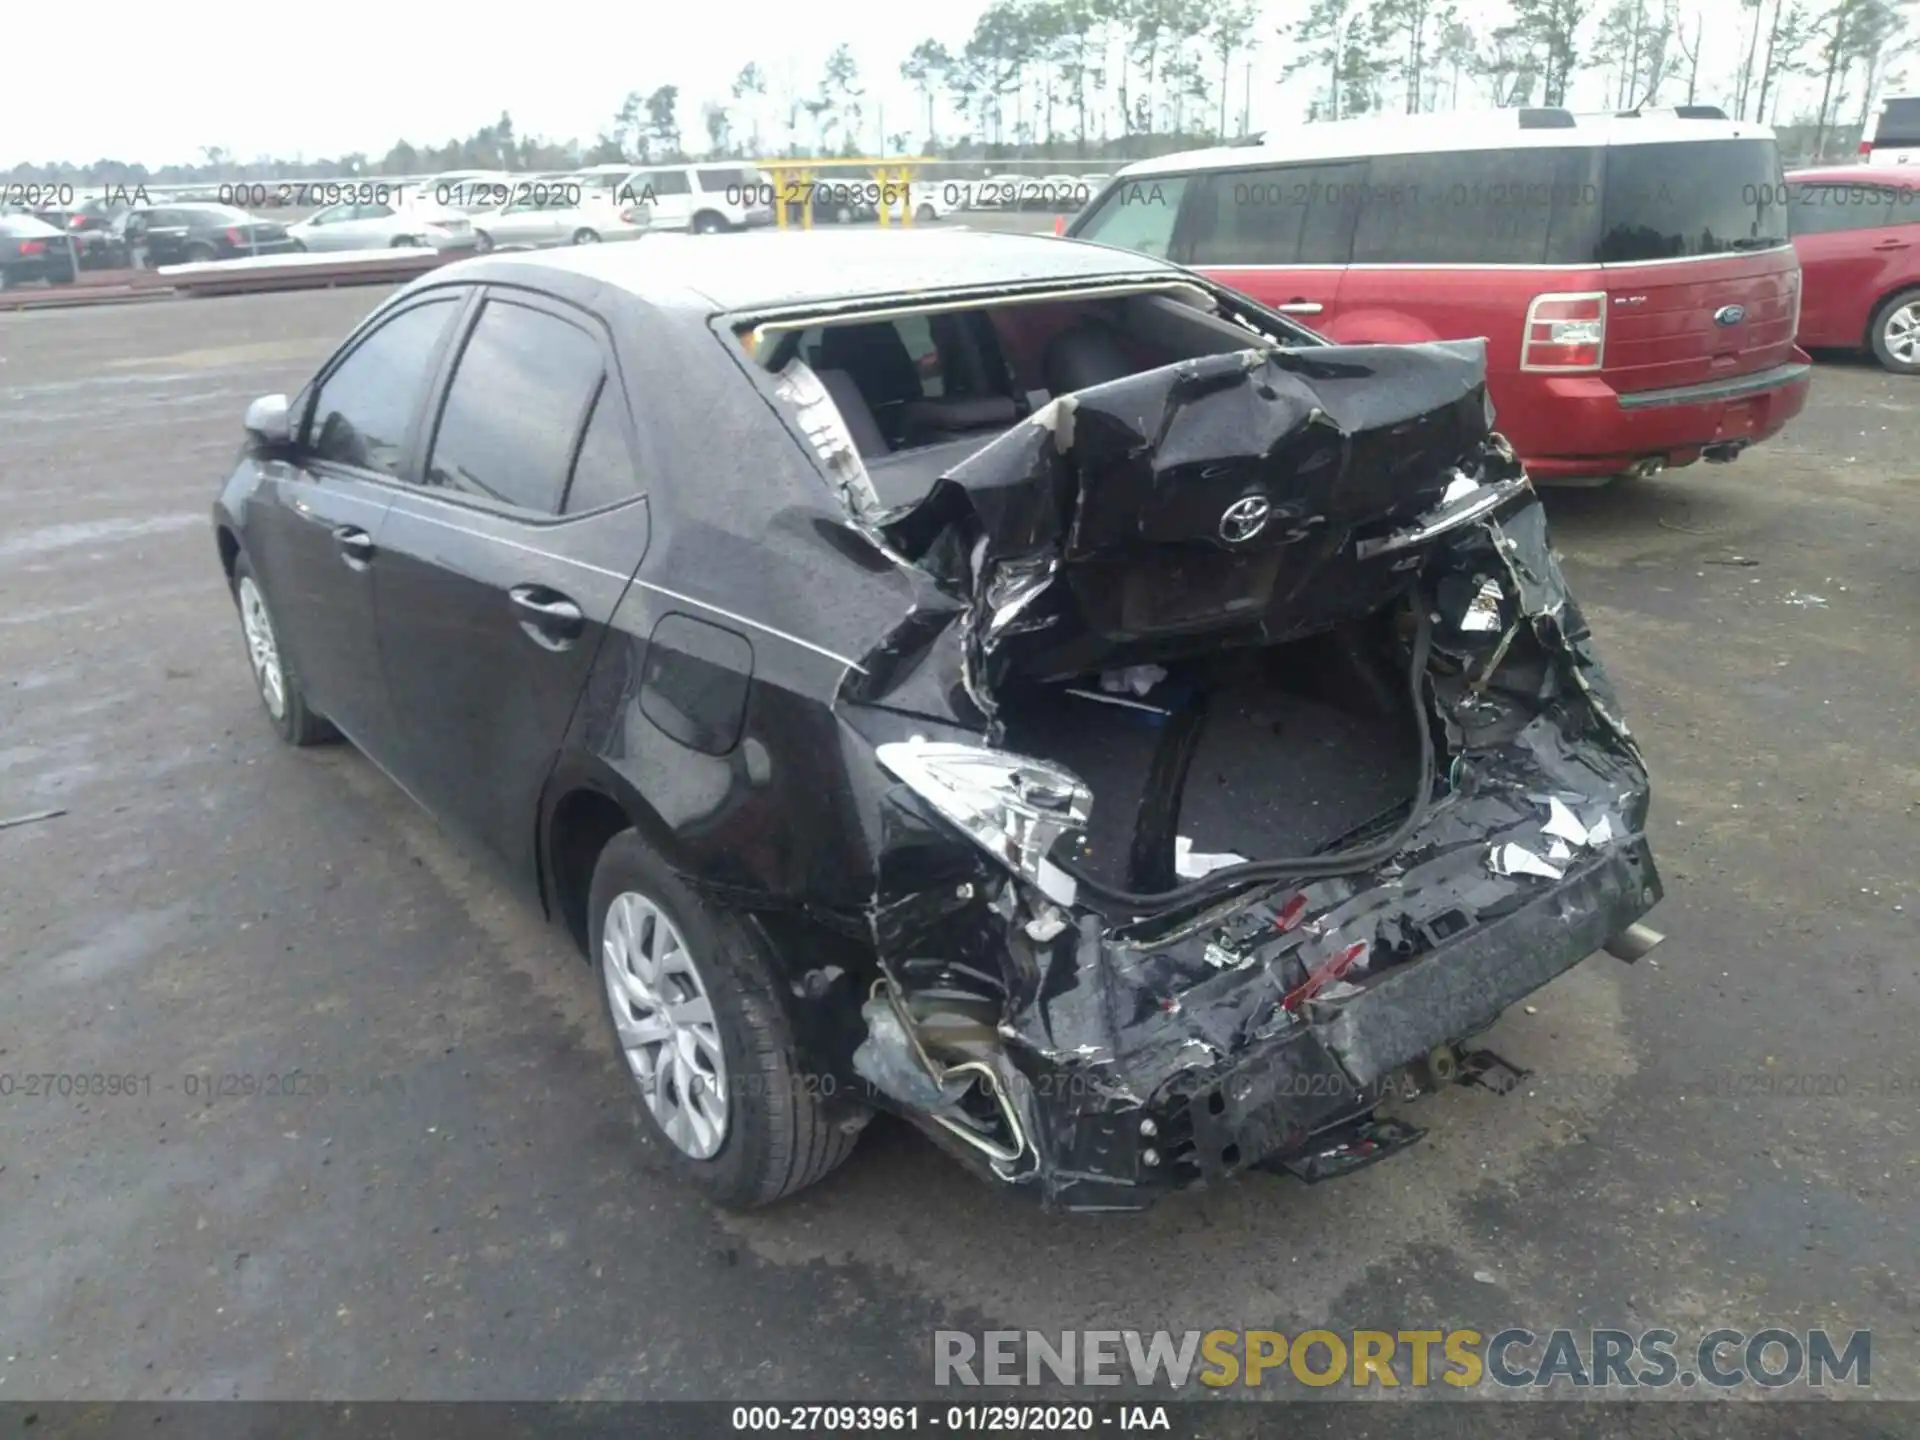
(1282, 215)
(366, 406)
(666, 182)
(1138, 215)
(1692, 197)
(515, 408)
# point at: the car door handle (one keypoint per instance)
(1300, 307)
(550, 619)
(1893, 245)
(356, 545)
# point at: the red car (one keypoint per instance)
(1632, 274)
(1857, 229)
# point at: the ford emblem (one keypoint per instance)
(1729, 314)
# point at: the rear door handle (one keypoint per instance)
(356, 545)
(1300, 307)
(1893, 245)
(550, 619)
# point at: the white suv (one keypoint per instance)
(700, 198)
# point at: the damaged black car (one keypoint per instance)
(999, 680)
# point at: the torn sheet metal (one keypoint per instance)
(1189, 864)
(1211, 503)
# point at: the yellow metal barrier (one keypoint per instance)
(797, 185)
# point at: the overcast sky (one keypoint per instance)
(293, 80)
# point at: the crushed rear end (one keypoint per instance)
(1242, 757)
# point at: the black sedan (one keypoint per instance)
(188, 233)
(31, 249)
(999, 680)
(93, 230)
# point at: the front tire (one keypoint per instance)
(279, 687)
(925, 214)
(405, 242)
(482, 242)
(584, 236)
(1895, 334)
(692, 995)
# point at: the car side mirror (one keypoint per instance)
(267, 423)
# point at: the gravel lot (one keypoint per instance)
(466, 1212)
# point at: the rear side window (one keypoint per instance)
(1137, 215)
(1286, 215)
(1822, 208)
(1480, 207)
(720, 181)
(1691, 197)
(515, 407)
(1899, 125)
(366, 407)
(603, 470)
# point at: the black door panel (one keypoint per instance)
(321, 591)
(488, 626)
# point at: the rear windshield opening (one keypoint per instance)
(1692, 198)
(1899, 124)
(918, 390)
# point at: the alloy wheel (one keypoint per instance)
(1901, 332)
(663, 1016)
(262, 649)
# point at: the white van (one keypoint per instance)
(1893, 136)
(702, 199)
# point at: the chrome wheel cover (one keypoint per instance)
(1901, 332)
(262, 649)
(664, 1018)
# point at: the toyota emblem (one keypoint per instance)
(1244, 519)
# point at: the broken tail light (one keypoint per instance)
(1566, 332)
(1012, 806)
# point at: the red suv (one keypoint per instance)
(1632, 273)
(1858, 233)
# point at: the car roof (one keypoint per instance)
(769, 270)
(1885, 176)
(1515, 129)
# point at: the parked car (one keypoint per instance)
(31, 249)
(704, 199)
(180, 234)
(556, 218)
(381, 226)
(1893, 135)
(1632, 272)
(928, 200)
(851, 741)
(997, 192)
(1857, 230)
(90, 225)
(1060, 193)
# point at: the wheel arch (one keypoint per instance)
(586, 803)
(1877, 311)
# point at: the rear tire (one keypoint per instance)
(482, 242)
(703, 964)
(925, 214)
(584, 236)
(273, 675)
(708, 223)
(1894, 334)
(199, 254)
(405, 242)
